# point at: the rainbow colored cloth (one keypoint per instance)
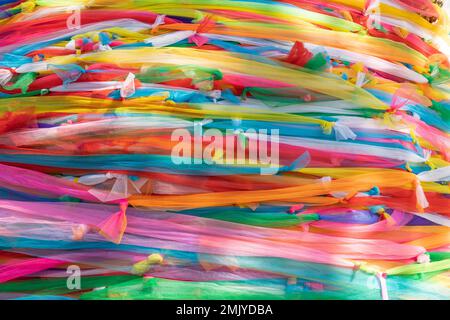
(224, 149)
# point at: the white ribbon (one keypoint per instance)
(5, 76)
(128, 88)
(169, 38)
(383, 286)
(121, 189)
(441, 174)
(343, 132)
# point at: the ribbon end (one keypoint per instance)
(114, 226)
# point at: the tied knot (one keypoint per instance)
(158, 21)
(423, 258)
(79, 232)
(27, 6)
(141, 267)
(295, 208)
(327, 127)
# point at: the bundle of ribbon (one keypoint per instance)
(206, 149)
